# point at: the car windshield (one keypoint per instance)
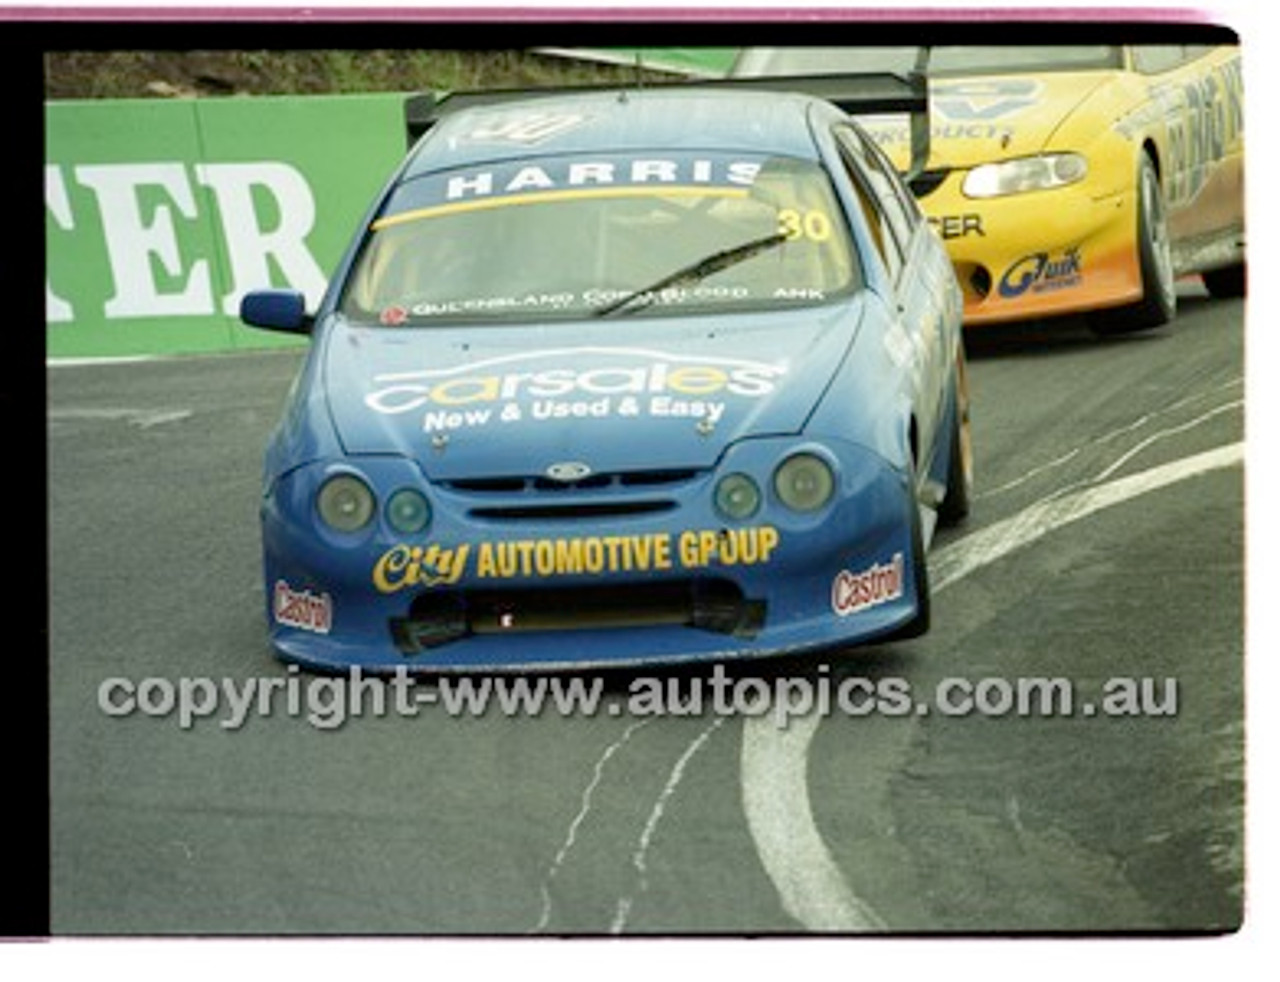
(572, 237)
(943, 60)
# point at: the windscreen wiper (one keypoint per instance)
(693, 273)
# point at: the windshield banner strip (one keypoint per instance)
(542, 197)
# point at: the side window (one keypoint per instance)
(1152, 59)
(887, 217)
(879, 227)
(904, 200)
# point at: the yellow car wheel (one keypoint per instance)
(1159, 300)
(1225, 283)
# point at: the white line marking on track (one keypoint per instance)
(775, 796)
(94, 362)
(985, 546)
(639, 859)
(143, 418)
(774, 762)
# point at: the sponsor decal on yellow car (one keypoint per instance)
(1074, 247)
(1033, 179)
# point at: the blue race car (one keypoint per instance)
(620, 377)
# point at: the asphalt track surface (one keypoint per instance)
(1106, 542)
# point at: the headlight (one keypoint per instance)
(737, 497)
(345, 503)
(408, 511)
(804, 482)
(1052, 170)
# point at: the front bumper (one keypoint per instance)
(602, 577)
(1038, 254)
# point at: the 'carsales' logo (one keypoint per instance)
(619, 371)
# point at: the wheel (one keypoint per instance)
(1225, 283)
(919, 624)
(959, 495)
(1159, 293)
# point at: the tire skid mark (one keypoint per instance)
(1116, 434)
(1032, 474)
(584, 809)
(774, 762)
(1164, 434)
(639, 859)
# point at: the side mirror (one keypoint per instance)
(276, 310)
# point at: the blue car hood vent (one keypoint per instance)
(641, 395)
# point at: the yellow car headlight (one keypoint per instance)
(1051, 170)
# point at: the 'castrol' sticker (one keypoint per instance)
(852, 592)
(302, 609)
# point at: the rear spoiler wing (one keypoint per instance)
(856, 94)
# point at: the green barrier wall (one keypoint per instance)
(159, 215)
(707, 62)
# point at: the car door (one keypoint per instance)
(922, 279)
(1197, 91)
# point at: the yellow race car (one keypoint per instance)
(1069, 178)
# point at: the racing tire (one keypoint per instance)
(959, 494)
(1226, 283)
(919, 624)
(1159, 300)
